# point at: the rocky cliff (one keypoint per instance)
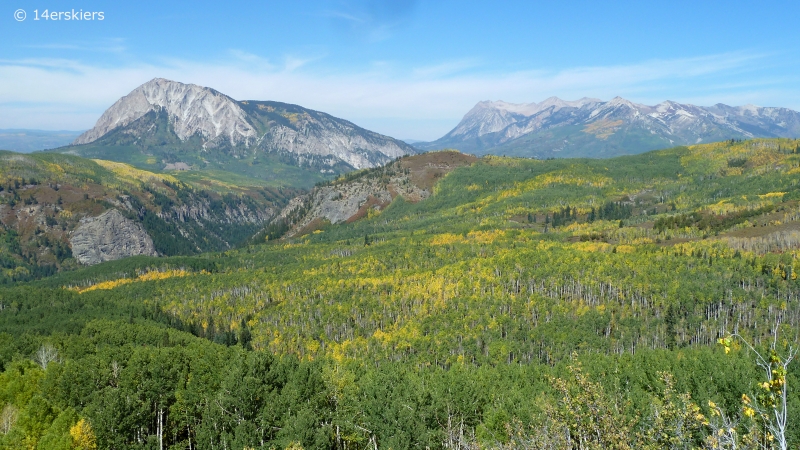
(313, 138)
(60, 210)
(354, 197)
(108, 237)
(193, 110)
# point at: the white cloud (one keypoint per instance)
(251, 59)
(292, 63)
(109, 45)
(68, 94)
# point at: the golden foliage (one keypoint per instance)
(82, 436)
(485, 237)
(105, 285)
(147, 276)
(130, 173)
(446, 239)
(592, 247)
(565, 177)
(602, 129)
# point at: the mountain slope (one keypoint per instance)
(59, 210)
(361, 194)
(165, 121)
(192, 109)
(592, 128)
(505, 254)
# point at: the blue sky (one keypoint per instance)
(409, 69)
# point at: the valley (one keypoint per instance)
(399, 224)
(439, 300)
(48, 199)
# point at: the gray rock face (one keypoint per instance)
(337, 204)
(326, 139)
(345, 201)
(108, 237)
(193, 110)
(491, 117)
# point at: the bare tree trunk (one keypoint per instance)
(161, 428)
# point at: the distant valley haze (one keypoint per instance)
(26, 141)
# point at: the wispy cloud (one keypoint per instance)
(251, 59)
(292, 63)
(371, 20)
(421, 103)
(345, 16)
(112, 45)
(446, 68)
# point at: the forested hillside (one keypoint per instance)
(522, 304)
(45, 197)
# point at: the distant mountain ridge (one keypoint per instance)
(590, 127)
(165, 118)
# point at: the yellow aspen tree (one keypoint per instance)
(83, 436)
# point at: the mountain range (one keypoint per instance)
(590, 127)
(168, 125)
(166, 122)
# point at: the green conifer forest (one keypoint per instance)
(640, 302)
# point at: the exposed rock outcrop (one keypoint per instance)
(315, 138)
(412, 178)
(193, 110)
(108, 237)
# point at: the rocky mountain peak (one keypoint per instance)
(162, 116)
(619, 101)
(192, 109)
(614, 127)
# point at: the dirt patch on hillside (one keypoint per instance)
(426, 169)
(363, 211)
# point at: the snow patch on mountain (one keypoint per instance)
(509, 121)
